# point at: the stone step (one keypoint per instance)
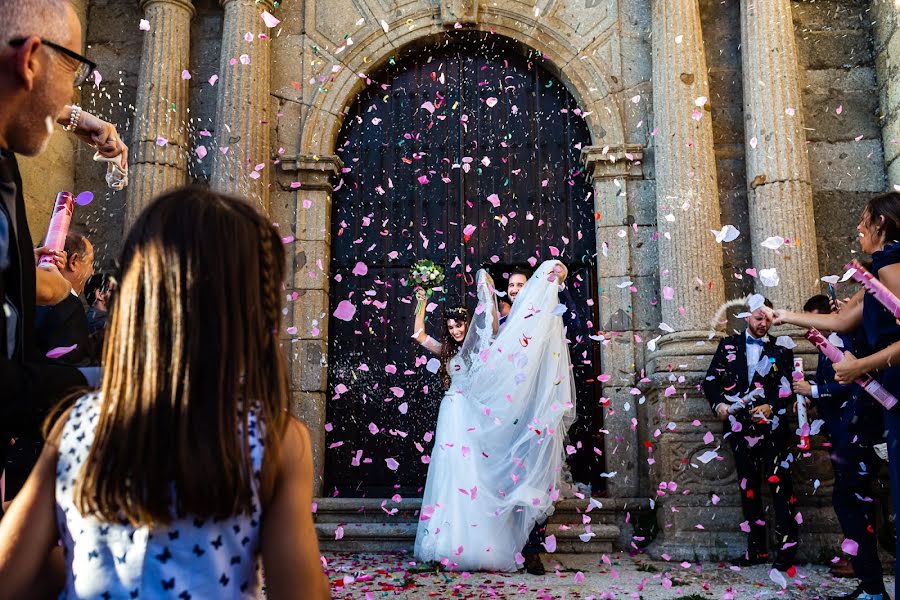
(384, 525)
(395, 536)
(610, 511)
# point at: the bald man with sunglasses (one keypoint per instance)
(40, 67)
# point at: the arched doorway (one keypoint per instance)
(426, 147)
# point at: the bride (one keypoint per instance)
(499, 441)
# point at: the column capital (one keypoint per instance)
(188, 5)
(611, 162)
(267, 4)
(315, 172)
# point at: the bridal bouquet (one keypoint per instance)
(425, 275)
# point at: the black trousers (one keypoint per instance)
(855, 468)
(764, 461)
(536, 539)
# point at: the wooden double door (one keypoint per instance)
(465, 153)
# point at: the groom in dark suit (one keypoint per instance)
(757, 429)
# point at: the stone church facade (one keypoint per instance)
(778, 117)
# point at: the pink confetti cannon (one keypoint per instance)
(802, 418)
(875, 389)
(59, 226)
(875, 287)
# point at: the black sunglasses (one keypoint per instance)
(85, 65)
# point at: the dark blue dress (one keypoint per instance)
(881, 331)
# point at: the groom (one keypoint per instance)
(517, 280)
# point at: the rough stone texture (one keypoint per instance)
(159, 144)
(778, 174)
(841, 103)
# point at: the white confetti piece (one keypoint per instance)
(727, 234)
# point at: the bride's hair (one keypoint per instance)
(449, 346)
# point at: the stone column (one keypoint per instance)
(159, 145)
(687, 191)
(308, 348)
(242, 129)
(692, 288)
(780, 191)
(611, 170)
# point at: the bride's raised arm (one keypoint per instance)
(428, 342)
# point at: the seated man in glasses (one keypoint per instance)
(40, 65)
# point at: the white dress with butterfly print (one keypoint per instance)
(189, 559)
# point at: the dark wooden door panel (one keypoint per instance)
(414, 179)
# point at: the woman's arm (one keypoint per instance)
(28, 534)
(419, 334)
(846, 321)
(851, 367)
(290, 549)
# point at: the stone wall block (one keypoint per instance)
(310, 314)
(848, 166)
(311, 264)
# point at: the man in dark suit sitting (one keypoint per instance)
(748, 386)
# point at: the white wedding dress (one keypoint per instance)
(499, 441)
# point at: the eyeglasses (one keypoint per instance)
(85, 65)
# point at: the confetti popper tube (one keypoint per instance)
(875, 287)
(59, 226)
(875, 389)
(802, 418)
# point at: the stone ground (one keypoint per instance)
(577, 576)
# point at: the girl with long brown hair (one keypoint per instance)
(185, 468)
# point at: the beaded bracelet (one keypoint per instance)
(74, 117)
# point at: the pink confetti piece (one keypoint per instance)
(391, 464)
(399, 392)
(708, 438)
(60, 351)
(345, 311)
(339, 533)
(291, 330)
(97, 78)
(428, 106)
(144, 25)
(360, 269)
(550, 543)
(269, 19)
(403, 408)
(423, 179)
(491, 102)
(850, 547)
(201, 152)
(373, 428)
(161, 141)
(213, 80)
(494, 199)
(185, 74)
(579, 577)
(84, 198)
